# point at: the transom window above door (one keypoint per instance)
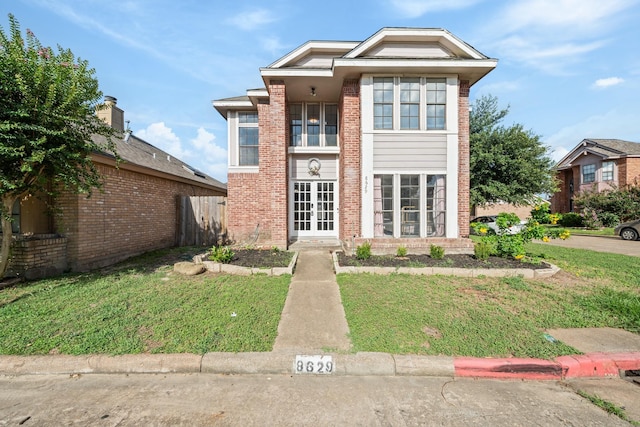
(313, 125)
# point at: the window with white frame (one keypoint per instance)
(383, 102)
(399, 210)
(313, 125)
(420, 103)
(410, 103)
(248, 138)
(607, 171)
(588, 173)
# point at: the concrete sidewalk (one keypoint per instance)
(313, 318)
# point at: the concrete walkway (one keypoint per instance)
(611, 244)
(313, 318)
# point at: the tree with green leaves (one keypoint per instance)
(48, 125)
(508, 164)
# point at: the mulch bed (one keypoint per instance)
(450, 261)
(261, 258)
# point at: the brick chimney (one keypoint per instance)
(111, 114)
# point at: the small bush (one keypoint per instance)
(540, 214)
(437, 252)
(609, 219)
(482, 250)
(571, 219)
(363, 251)
(401, 252)
(221, 254)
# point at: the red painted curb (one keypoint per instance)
(585, 365)
(599, 364)
(531, 369)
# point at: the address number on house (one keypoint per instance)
(313, 365)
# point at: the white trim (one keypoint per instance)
(451, 190)
(313, 46)
(243, 169)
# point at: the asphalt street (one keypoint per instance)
(286, 400)
(600, 244)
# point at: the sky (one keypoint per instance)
(568, 69)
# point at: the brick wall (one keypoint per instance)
(39, 256)
(134, 213)
(629, 171)
(463, 159)
(259, 202)
(350, 157)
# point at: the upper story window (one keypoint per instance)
(313, 125)
(410, 103)
(383, 103)
(607, 171)
(418, 102)
(436, 103)
(588, 173)
(248, 138)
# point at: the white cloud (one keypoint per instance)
(165, 139)
(610, 81)
(212, 159)
(417, 8)
(568, 16)
(272, 45)
(251, 20)
(551, 35)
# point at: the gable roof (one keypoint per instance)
(134, 151)
(607, 149)
(319, 67)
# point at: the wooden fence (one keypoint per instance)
(202, 221)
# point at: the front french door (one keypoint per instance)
(314, 209)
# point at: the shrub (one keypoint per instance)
(363, 251)
(221, 254)
(571, 219)
(540, 214)
(482, 250)
(401, 252)
(590, 219)
(609, 219)
(437, 252)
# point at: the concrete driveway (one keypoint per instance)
(613, 244)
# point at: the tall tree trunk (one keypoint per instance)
(5, 217)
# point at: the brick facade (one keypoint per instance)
(463, 159)
(258, 203)
(133, 214)
(350, 158)
(35, 257)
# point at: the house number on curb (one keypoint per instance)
(313, 365)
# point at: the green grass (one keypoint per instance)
(581, 231)
(608, 407)
(139, 308)
(484, 317)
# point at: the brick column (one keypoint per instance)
(463, 158)
(350, 159)
(273, 165)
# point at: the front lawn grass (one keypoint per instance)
(492, 317)
(142, 306)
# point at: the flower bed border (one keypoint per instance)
(217, 267)
(527, 273)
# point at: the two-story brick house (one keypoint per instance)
(595, 164)
(356, 141)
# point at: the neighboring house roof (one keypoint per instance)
(607, 149)
(319, 67)
(135, 151)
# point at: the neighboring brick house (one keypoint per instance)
(595, 164)
(356, 141)
(134, 213)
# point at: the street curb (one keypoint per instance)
(358, 364)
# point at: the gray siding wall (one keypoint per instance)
(400, 151)
(300, 166)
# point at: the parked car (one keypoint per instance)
(490, 222)
(628, 230)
